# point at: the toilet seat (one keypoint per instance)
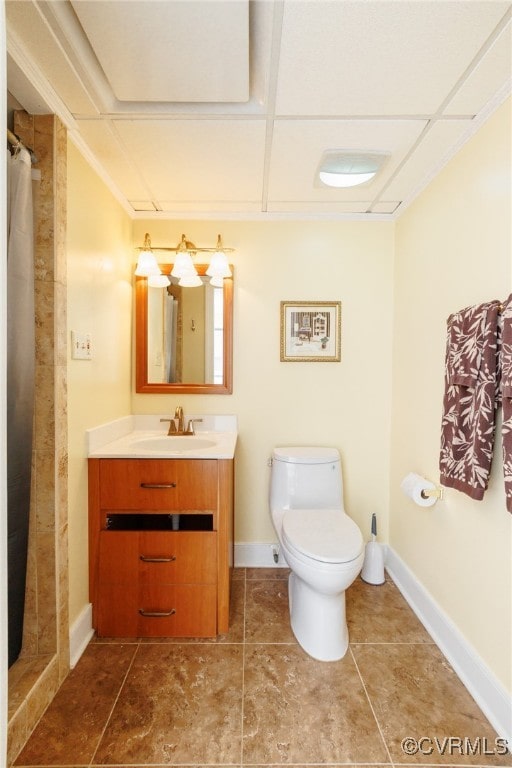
(325, 535)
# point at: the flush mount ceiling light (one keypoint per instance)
(183, 268)
(343, 168)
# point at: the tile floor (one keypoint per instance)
(253, 697)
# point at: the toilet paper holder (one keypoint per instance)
(421, 491)
(432, 493)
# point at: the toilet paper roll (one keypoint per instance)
(413, 485)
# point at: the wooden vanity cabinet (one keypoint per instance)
(145, 579)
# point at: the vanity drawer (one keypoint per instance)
(157, 557)
(184, 610)
(158, 484)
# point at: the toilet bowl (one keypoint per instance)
(321, 544)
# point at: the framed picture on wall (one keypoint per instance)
(311, 331)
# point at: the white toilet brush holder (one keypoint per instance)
(373, 565)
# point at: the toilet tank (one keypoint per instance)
(305, 478)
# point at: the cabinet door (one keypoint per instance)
(158, 484)
(157, 557)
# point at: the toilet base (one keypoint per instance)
(318, 621)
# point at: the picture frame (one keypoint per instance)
(311, 331)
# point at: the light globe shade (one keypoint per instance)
(147, 265)
(219, 266)
(190, 281)
(158, 281)
(183, 265)
(342, 168)
(341, 180)
(217, 281)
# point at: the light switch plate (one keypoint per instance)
(81, 346)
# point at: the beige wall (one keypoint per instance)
(342, 404)
(99, 302)
(453, 249)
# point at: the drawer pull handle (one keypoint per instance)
(146, 559)
(156, 614)
(158, 485)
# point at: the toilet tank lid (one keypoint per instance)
(306, 455)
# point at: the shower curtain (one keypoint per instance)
(20, 383)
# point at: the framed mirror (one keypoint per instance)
(184, 337)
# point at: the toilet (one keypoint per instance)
(322, 545)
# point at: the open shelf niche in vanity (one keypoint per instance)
(160, 531)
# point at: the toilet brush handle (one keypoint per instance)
(374, 524)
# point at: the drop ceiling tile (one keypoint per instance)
(197, 160)
(427, 159)
(378, 58)
(185, 51)
(491, 74)
(297, 147)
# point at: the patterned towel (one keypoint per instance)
(470, 399)
(506, 396)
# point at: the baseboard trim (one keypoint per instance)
(80, 635)
(487, 691)
(258, 555)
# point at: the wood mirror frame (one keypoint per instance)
(141, 344)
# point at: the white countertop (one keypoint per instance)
(120, 439)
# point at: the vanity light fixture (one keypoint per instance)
(342, 168)
(219, 267)
(158, 281)
(147, 266)
(183, 268)
(146, 263)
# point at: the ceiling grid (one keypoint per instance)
(224, 107)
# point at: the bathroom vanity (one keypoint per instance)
(161, 533)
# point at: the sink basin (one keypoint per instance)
(144, 437)
(171, 443)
